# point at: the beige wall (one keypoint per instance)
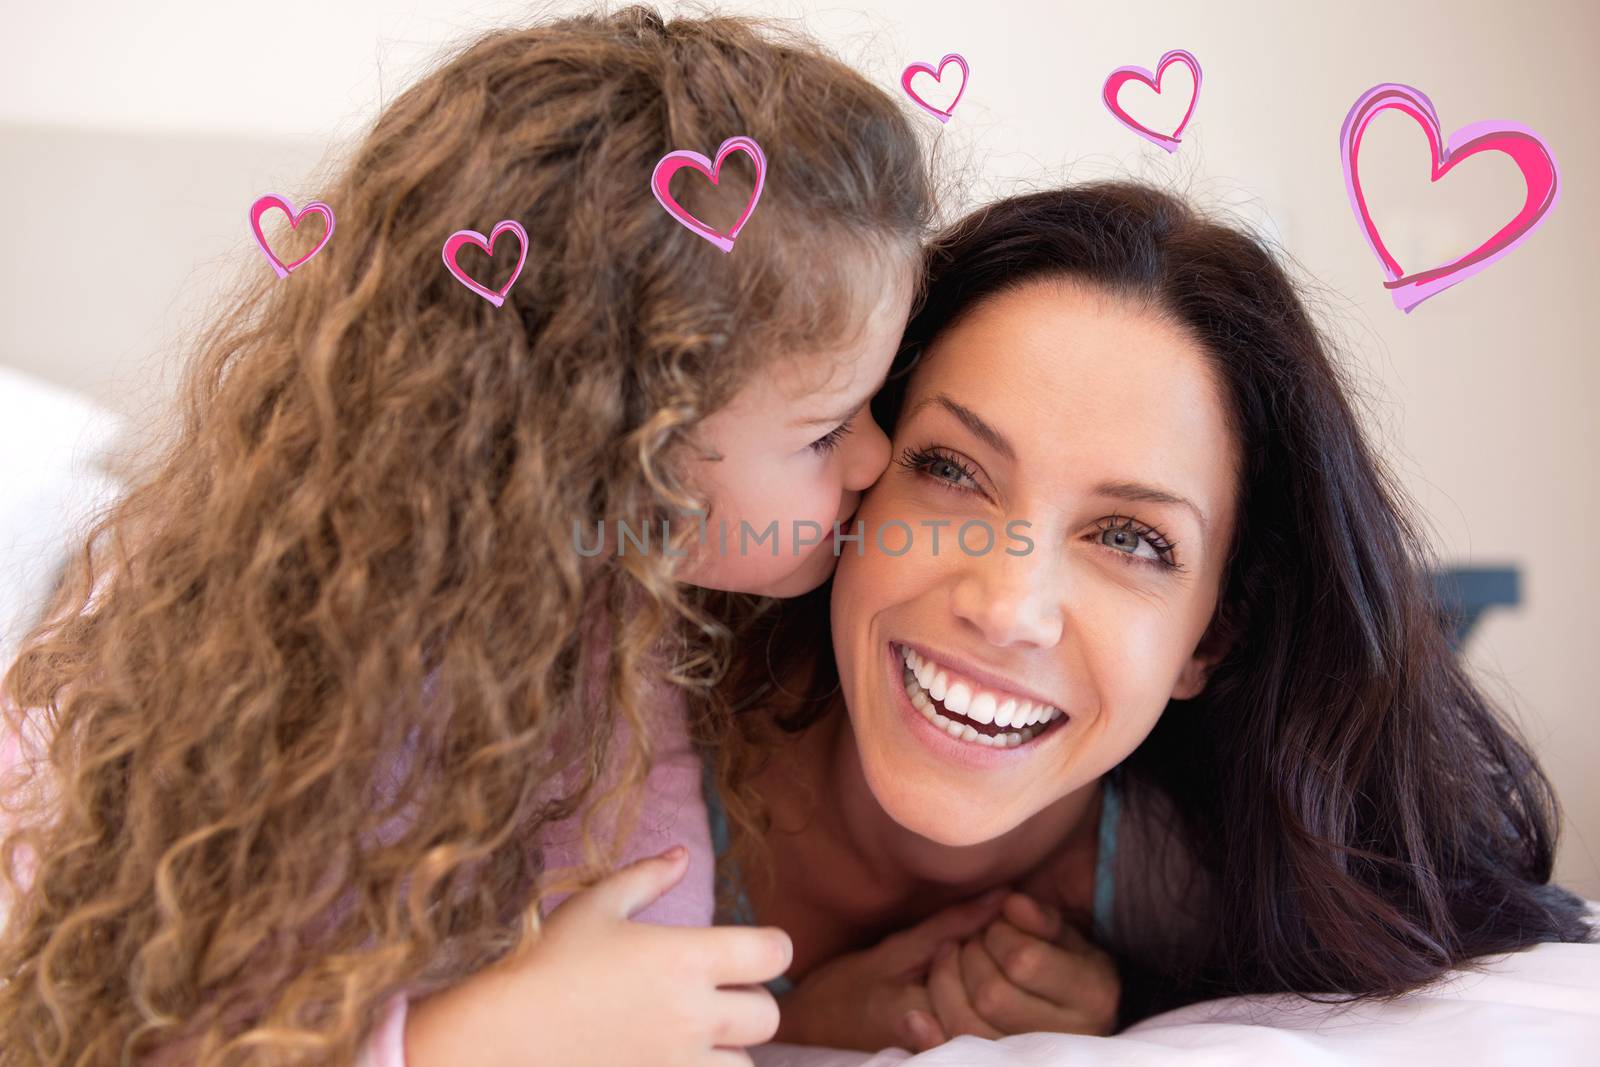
(131, 145)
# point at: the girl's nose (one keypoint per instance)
(1010, 600)
(867, 455)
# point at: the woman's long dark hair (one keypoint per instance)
(1368, 818)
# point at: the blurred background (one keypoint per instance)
(133, 139)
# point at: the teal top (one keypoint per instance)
(1104, 881)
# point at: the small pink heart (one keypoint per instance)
(1122, 75)
(454, 243)
(672, 162)
(1525, 147)
(273, 200)
(938, 76)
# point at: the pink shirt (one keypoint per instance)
(672, 811)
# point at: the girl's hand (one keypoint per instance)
(877, 998)
(1029, 971)
(598, 989)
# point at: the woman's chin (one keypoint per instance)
(931, 809)
(950, 829)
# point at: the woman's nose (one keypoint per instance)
(868, 453)
(1010, 600)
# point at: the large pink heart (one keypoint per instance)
(938, 75)
(1122, 75)
(672, 162)
(454, 243)
(1526, 148)
(273, 200)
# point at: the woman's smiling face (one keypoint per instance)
(1101, 426)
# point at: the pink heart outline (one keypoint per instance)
(268, 201)
(1526, 148)
(1122, 75)
(672, 162)
(454, 243)
(938, 76)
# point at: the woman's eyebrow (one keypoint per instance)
(1134, 491)
(1139, 492)
(971, 419)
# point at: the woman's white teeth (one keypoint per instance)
(926, 683)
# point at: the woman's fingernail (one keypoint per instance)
(945, 948)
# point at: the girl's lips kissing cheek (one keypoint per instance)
(962, 719)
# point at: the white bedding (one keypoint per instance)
(52, 441)
(1540, 1006)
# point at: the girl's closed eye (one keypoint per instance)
(830, 440)
(950, 471)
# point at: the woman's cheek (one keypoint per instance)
(874, 571)
(1135, 652)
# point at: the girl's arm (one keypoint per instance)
(672, 812)
(598, 988)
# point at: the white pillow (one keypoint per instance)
(51, 440)
(1538, 1006)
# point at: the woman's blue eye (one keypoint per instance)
(830, 440)
(939, 466)
(1125, 535)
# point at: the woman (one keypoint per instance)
(1207, 716)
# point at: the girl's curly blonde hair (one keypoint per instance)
(305, 690)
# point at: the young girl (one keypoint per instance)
(324, 681)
